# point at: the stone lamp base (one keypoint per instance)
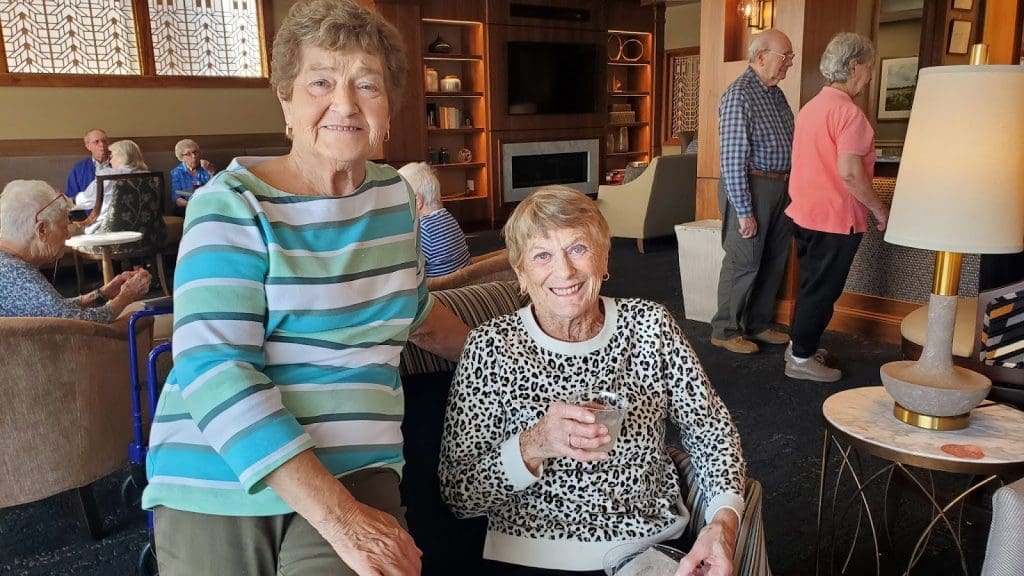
(932, 386)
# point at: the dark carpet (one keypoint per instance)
(779, 420)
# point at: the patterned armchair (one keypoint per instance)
(136, 205)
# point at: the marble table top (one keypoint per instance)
(995, 435)
(103, 239)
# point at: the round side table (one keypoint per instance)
(860, 421)
(104, 240)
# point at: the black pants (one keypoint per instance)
(825, 261)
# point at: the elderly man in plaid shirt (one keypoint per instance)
(755, 124)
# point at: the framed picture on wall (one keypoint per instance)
(959, 37)
(897, 84)
(963, 4)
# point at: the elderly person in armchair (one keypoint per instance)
(125, 158)
(519, 447)
(33, 227)
(277, 443)
(441, 239)
(192, 173)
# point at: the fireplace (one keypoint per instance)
(529, 166)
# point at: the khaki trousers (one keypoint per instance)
(191, 544)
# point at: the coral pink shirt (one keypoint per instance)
(827, 126)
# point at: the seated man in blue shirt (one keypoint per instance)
(189, 175)
(441, 239)
(84, 172)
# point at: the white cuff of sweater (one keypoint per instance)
(730, 500)
(515, 469)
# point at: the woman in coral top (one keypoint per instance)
(830, 188)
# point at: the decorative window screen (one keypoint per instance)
(62, 37)
(206, 37)
(683, 93)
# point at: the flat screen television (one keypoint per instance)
(552, 78)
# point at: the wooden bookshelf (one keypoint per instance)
(630, 82)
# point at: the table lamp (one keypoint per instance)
(960, 189)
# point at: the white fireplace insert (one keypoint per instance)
(529, 166)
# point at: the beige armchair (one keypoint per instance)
(64, 408)
(664, 195)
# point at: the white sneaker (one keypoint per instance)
(813, 368)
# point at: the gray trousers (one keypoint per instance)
(191, 544)
(752, 268)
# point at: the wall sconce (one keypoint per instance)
(757, 13)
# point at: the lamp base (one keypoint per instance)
(958, 422)
(934, 393)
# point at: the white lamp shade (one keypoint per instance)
(961, 181)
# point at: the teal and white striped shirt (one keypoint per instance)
(290, 313)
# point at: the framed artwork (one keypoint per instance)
(959, 37)
(963, 4)
(897, 84)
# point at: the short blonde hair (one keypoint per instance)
(553, 208)
(19, 202)
(423, 182)
(130, 152)
(336, 25)
(183, 145)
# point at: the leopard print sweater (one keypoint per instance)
(573, 512)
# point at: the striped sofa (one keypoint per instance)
(451, 545)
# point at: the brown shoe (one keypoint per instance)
(737, 344)
(770, 336)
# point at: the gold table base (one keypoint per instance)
(958, 422)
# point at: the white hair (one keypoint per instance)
(424, 183)
(20, 201)
(758, 43)
(842, 51)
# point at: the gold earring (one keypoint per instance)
(288, 131)
(605, 277)
(387, 135)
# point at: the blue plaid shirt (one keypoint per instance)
(755, 125)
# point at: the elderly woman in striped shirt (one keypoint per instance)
(277, 447)
(441, 239)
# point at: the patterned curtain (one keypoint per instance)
(61, 37)
(206, 37)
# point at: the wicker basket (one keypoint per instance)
(622, 117)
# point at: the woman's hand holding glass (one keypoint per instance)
(565, 430)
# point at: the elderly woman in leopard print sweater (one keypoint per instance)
(520, 449)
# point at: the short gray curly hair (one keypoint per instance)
(842, 51)
(335, 25)
(182, 146)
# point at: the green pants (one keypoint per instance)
(191, 544)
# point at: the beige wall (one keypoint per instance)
(34, 112)
(896, 40)
(682, 26)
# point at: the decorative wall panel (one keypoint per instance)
(897, 272)
(684, 90)
(206, 37)
(61, 37)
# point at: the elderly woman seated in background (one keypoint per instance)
(125, 158)
(192, 173)
(519, 446)
(441, 239)
(277, 444)
(33, 227)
